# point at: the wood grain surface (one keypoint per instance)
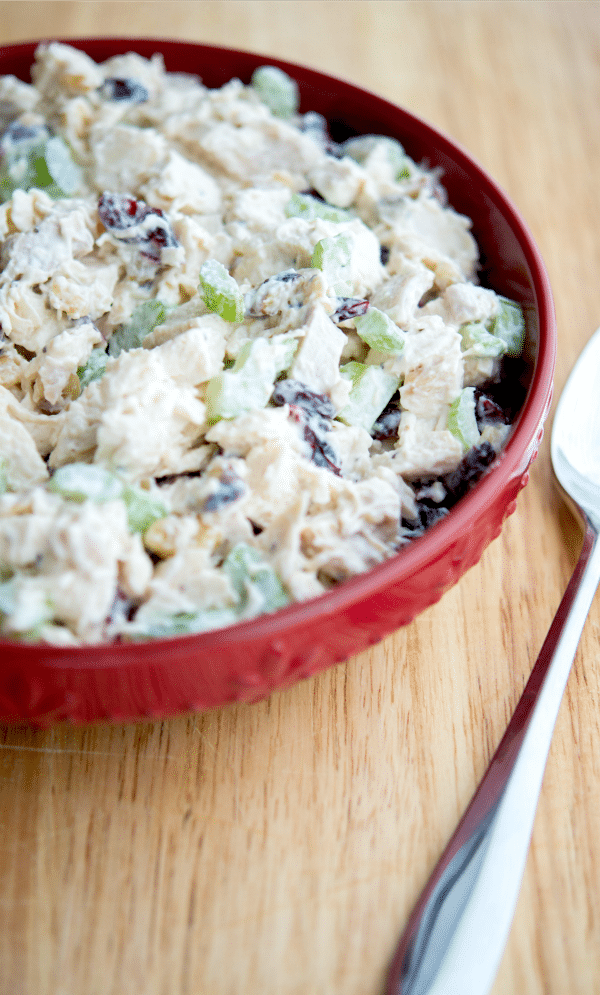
(277, 849)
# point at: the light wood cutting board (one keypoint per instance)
(277, 849)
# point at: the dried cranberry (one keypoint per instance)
(487, 411)
(123, 213)
(427, 515)
(349, 307)
(118, 211)
(311, 192)
(123, 89)
(315, 125)
(230, 488)
(297, 393)
(510, 388)
(321, 452)
(314, 413)
(469, 470)
(159, 236)
(456, 484)
(170, 478)
(122, 607)
(386, 426)
(17, 132)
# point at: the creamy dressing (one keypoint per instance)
(192, 429)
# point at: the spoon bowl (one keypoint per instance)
(575, 442)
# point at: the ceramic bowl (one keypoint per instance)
(45, 684)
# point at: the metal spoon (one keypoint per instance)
(455, 937)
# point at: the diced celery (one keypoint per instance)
(509, 325)
(46, 165)
(334, 257)
(7, 184)
(362, 147)
(221, 292)
(17, 173)
(93, 368)
(88, 482)
(26, 605)
(42, 177)
(284, 349)
(131, 335)
(257, 589)
(397, 159)
(246, 386)
(7, 597)
(379, 331)
(372, 388)
(254, 580)
(172, 624)
(277, 90)
(142, 509)
(461, 419)
(85, 481)
(60, 165)
(477, 341)
(302, 205)
(3, 476)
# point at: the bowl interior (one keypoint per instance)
(510, 264)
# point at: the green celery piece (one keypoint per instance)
(7, 597)
(360, 148)
(461, 419)
(509, 325)
(93, 368)
(4, 483)
(38, 611)
(172, 624)
(334, 257)
(278, 91)
(284, 349)
(248, 385)
(302, 205)
(85, 481)
(16, 170)
(16, 173)
(221, 292)
(88, 482)
(478, 341)
(372, 388)
(7, 186)
(398, 159)
(62, 169)
(131, 335)
(142, 509)
(247, 570)
(46, 165)
(379, 331)
(42, 177)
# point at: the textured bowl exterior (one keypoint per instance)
(41, 685)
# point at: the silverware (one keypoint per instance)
(455, 937)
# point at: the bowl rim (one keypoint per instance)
(512, 461)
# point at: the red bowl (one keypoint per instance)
(45, 684)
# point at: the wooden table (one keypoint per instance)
(277, 849)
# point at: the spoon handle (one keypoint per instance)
(455, 937)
